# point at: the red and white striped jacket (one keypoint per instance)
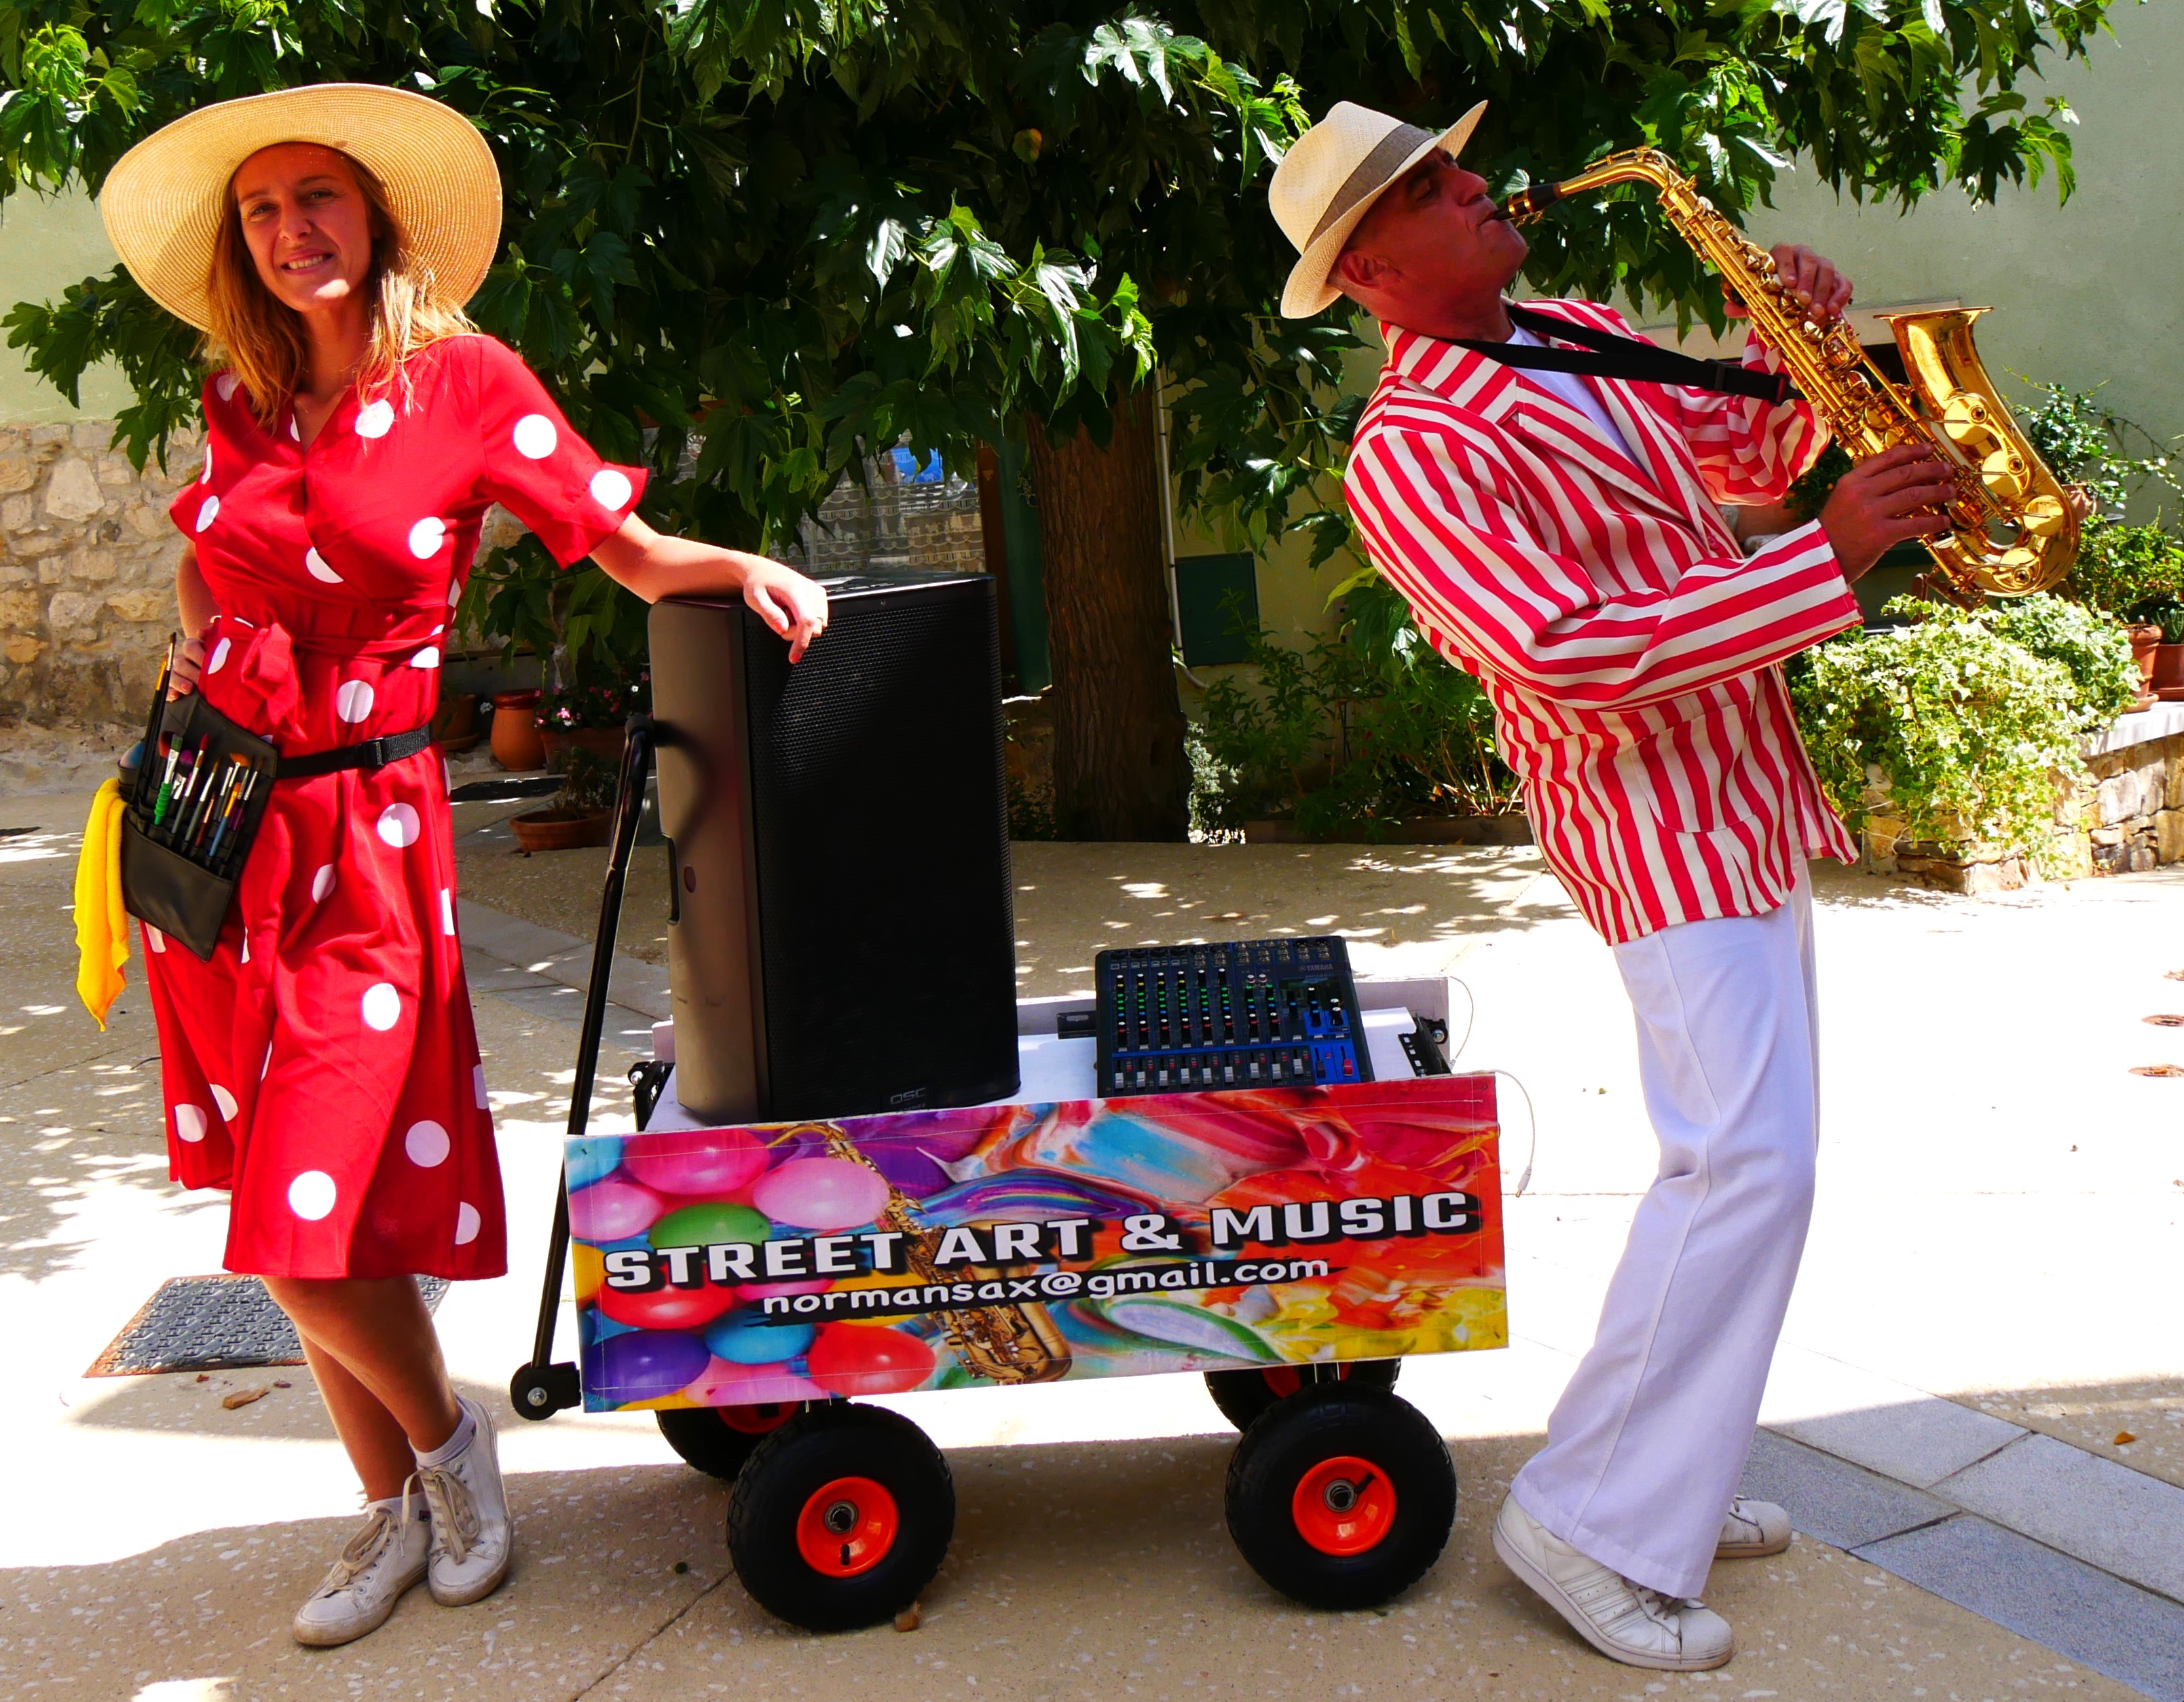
(1631, 651)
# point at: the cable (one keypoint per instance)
(1470, 1017)
(1532, 1146)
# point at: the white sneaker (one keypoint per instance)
(1751, 1529)
(472, 1539)
(1624, 1622)
(376, 1565)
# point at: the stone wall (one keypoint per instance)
(87, 573)
(2123, 816)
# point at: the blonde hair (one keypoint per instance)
(263, 340)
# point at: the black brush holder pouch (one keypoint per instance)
(163, 884)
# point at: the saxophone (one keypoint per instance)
(1006, 1342)
(2012, 528)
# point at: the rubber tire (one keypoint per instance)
(1242, 1396)
(706, 1441)
(821, 1443)
(1318, 1423)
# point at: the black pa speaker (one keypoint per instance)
(842, 930)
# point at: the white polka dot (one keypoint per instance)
(447, 777)
(447, 912)
(610, 487)
(467, 1223)
(352, 702)
(426, 1143)
(535, 437)
(426, 538)
(224, 1100)
(218, 659)
(382, 1006)
(154, 938)
(205, 477)
(454, 593)
(375, 419)
(315, 565)
(477, 1084)
(265, 1068)
(293, 432)
(226, 385)
(398, 825)
(243, 955)
(427, 657)
(311, 1195)
(208, 513)
(322, 883)
(190, 1123)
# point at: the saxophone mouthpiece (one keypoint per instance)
(1527, 205)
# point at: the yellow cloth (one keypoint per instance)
(101, 926)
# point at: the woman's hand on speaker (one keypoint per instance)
(655, 566)
(791, 604)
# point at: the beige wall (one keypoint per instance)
(44, 246)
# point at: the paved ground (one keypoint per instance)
(1988, 1305)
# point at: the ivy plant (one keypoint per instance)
(1962, 724)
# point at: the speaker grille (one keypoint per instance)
(886, 906)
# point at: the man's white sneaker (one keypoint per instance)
(1624, 1622)
(472, 1539)
(1751, 1529)
(376, 1565)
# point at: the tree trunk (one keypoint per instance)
(1119, 768)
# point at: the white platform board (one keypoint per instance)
(1055, 1069)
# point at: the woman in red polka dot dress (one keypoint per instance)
(323, 1066)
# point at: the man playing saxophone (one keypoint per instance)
(1555, 534)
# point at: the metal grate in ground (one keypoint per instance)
(219, 1323)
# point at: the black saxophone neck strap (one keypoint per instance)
(1605, 355)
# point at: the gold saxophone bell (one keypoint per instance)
(2013, 529)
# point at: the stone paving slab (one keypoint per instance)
(2129, 1633)
(2121, 1520)
(1831, 1500)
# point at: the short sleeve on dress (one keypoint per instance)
(540, 470)
(195, 505)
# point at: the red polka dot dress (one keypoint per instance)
(324, 1066)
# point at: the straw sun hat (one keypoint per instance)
(1329, 180)
(164, 201)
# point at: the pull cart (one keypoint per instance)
(1291, 1242)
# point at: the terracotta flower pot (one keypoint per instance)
(515, 742)
(600, 741)
(2168, 669)
(454, 727)
(2145, 640)
(541, 830)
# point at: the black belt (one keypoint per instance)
(373, 753)
(1605, 355)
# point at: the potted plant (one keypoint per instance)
(2165, 616)
(580, 813)
(590, 713)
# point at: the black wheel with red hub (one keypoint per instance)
(1242, 1396)
(1341, 1495)
(841, 1517)
(718, 1440)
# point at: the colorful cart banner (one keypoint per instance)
(1025, 1243)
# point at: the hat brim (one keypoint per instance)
(1308, 291)
(165, 199)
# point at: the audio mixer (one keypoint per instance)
(1240, 1013)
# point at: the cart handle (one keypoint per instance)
(542, 1388)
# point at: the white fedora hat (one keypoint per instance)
(1329, 180)
(164, 200)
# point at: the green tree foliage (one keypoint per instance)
(744, 241)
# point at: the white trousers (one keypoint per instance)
(1647, 1443)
